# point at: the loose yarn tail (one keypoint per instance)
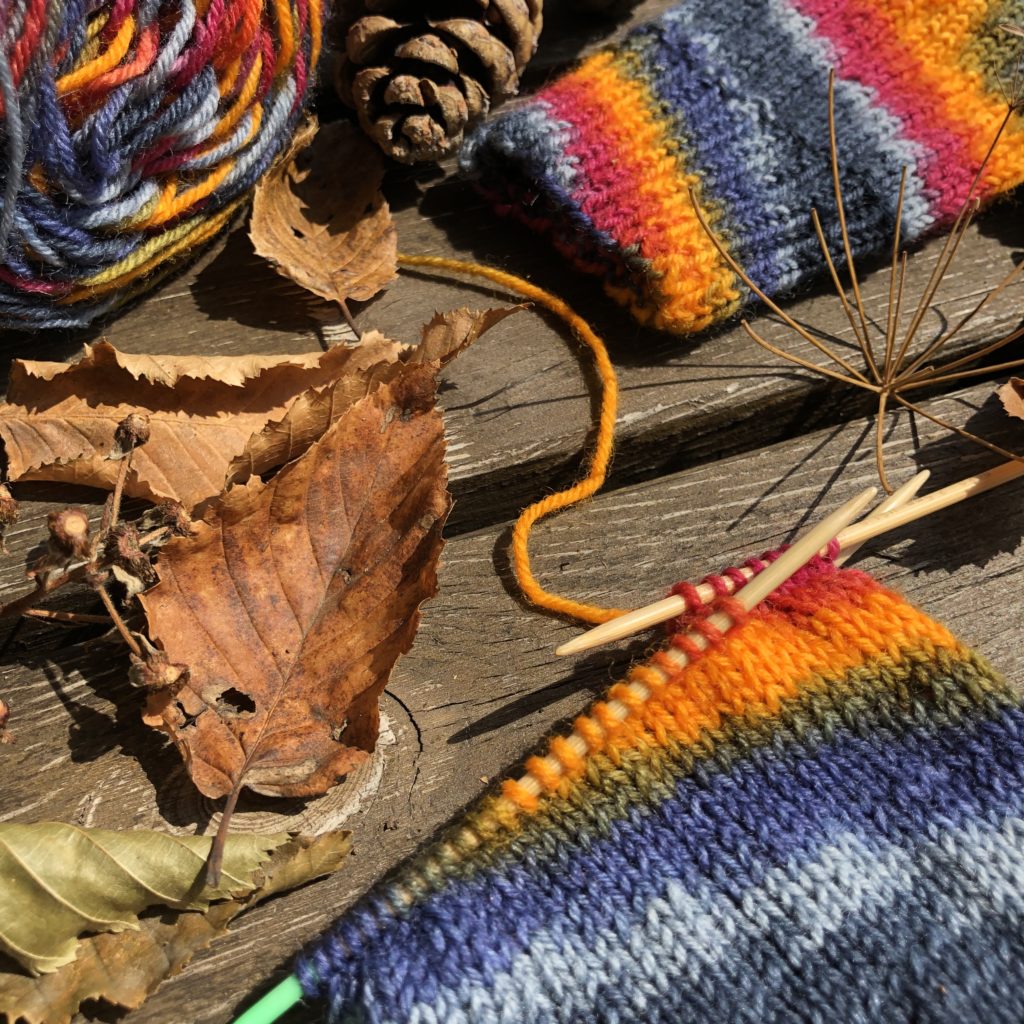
(599, 458)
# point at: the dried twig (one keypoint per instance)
(76, 555)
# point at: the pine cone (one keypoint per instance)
(418, 72)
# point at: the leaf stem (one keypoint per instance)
(21, 604)
(215, 861)
(350, 320)
(122, 477)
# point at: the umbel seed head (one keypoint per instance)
(69, 532)
(131, 433)
(156, 672)
(173, 515)
(9, 509)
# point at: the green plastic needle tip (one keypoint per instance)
(276, 1002)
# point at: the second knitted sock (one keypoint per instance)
(731, 99)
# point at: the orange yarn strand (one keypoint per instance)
(597, 464)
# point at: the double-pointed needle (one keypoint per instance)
(897, 510)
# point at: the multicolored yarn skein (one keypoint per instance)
(130, 132)
(730, 98)
(821, 818)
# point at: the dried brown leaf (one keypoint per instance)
(60, 419)
(125, 968)
(321, 218)
(1011, 394)
(101, 360)
(292, 602)
(309, 416)
(445, 335)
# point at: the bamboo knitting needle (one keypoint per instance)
(749, 597)
(650, 615)
(670, 607)
(900, 497)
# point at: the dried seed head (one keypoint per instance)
(156, 672)
(131, 433)
(9, 512)
(5, 715)
(123, 550)
(9, 509)
(174, 515)
(69, 532)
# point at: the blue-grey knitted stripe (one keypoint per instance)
(528, 142)
(775, 57)
(705, 957)
(725, 830)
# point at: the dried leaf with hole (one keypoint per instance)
(280, 441)
(293, 600)
(1011, 394)
(321, 219)
(60, 881)
(60, 420)
(123, 969)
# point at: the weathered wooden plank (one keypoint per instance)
(518, 406)
(481, 686)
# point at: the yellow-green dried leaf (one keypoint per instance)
(124, 969)
(59, 881)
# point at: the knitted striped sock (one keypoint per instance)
(820, 819)
(731, 98)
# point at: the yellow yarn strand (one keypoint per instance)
(597, 464)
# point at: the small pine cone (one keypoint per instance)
(418, 72)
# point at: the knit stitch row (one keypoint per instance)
(821, 818)
(730, 99)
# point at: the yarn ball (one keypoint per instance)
(130, 133)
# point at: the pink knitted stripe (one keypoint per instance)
(867, 51)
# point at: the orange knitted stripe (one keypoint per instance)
(737, 678)
(696, 285)
(972, 110)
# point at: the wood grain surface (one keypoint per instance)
(481, 686)
(721, 454)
